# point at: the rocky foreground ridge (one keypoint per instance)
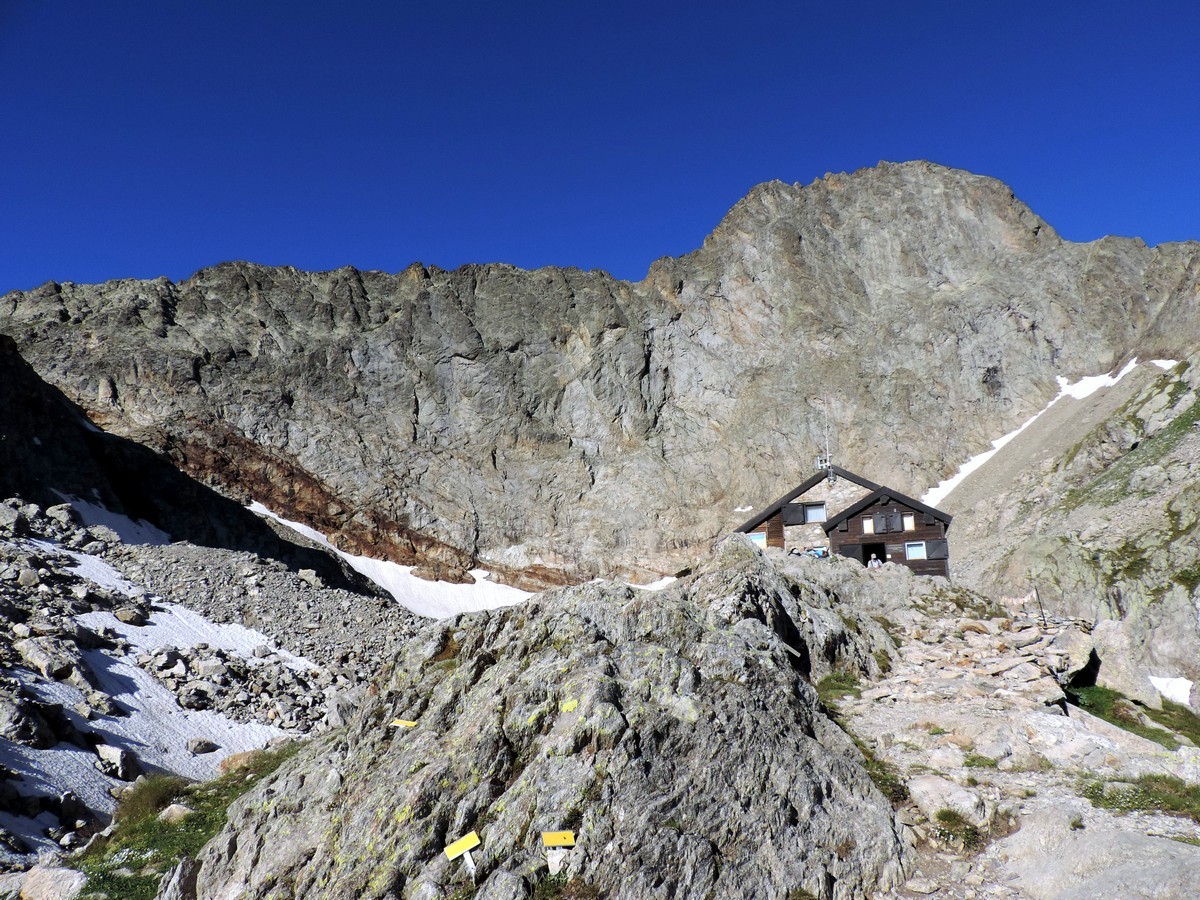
(677, 732)
(555, 425)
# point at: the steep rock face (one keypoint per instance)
(558, 424)
(675, 732)
(49, 451)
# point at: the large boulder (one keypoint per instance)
(932, 794)
(47, 882)
(675, 732)
(52, 657)
(21, 723)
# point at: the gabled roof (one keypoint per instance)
(883, 492)
(763, 514)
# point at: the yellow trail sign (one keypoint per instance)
(404, 723)
(558, 838)
(462, 845)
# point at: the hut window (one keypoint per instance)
(758, 538)
(914, 550)
(814, 512)
(868, 523)
(910, 522)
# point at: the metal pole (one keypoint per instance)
(1038, 597)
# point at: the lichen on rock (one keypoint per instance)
(676, 732)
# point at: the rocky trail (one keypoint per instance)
(973, 716)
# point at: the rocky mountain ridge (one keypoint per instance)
(555, 425)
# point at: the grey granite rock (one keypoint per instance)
(675, 732)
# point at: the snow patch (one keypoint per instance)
(435, 599)
(172, 625)
(156, 728)
(742, 508)
(1177, 690)
(1085, 387)
(93, 568)
(654, 585)
(1165, 364)
(131, 531)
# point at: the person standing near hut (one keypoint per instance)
(874, 562)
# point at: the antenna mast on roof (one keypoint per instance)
(826, 462)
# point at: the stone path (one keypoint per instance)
(974, 718)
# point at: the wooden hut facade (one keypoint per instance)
(854, 517)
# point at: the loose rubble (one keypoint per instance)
(61, 604)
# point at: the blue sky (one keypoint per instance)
(155, 138)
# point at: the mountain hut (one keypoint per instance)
(840, 512)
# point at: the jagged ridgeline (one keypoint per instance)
(555, 425)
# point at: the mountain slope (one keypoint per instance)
(1096, 507)
(555, 425)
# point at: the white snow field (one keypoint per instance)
(1177, 690)
(435, 599)
(1082, 388)
(663, 582)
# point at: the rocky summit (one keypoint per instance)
(259, 625)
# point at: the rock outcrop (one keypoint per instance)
(675, 732)
(559, 424)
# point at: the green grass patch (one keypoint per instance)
(883, 661)
(950, 826)
(838, 684)
(1188, 577)
(1177, 718)
(889, 782)
(1148, 793)
(1117, 709)
(851, 624)
(1131, 562)
(979, 761)
(147, 848)
(893, 630)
